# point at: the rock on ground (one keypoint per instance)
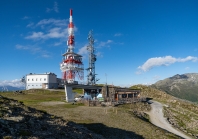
(19, 121)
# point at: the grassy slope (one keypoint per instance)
(184, 113)
(184, 92)
(110, 122)
(181, 88)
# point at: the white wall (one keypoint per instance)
(33, 85)
(37, 78)
(37, 81)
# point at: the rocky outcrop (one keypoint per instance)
(177, 123)
(20, 121)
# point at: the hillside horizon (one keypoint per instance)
(184, 86)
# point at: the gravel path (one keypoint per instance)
(157, 118)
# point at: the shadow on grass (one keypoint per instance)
(110, 132)
(148, 98)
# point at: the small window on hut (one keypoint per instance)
(124, 95)
(130, 95)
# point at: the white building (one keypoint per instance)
(47, 80)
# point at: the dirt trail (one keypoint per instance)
(157, 118)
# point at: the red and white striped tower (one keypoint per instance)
(72, 65)
(70, 41)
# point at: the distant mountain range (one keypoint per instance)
(183, 86)
(10, 88)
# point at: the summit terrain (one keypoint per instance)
(183, 86)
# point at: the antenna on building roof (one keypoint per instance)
(106, 78)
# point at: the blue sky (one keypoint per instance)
(137, 41)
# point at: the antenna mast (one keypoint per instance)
(91, 77)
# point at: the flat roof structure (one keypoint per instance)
(82, 86)
(71, 53)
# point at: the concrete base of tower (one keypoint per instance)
(90, 89)
(69, 95)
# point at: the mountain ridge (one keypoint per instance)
(184, 86)
(10, 88)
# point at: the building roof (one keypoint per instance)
(127, 90)
(68, 53)
(47, 73)
(84, 86)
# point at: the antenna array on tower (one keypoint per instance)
(91, 76)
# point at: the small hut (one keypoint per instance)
(113, 93)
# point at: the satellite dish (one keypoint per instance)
(23, 80)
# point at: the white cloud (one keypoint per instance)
(99, 54)
(163, 61)
(30, 24)
(34, 50)
(21, 47)
(117, 34)
(100, 44)
(187, 68)
(57, 43)
(104, 44)
(45, 55)
(48, 10)
(109, 41)
(54, 33)
(14, 83)
(53, 22)
(55, 8)
(189, 58)
(25, 17)
(35, 35)
(83, 50)
(51, 29)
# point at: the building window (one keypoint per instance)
(36, 79)
(40, 79)
(44, 79)
(130, 95)
(28, 79)
(124, 95)
(32, 79)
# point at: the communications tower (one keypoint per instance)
(91, 76)
(72, 65)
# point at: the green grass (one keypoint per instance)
(69, 105)
(33, 98)
(117, 121)
(79, 91)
